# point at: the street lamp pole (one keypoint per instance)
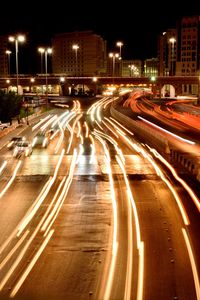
(120, 44)
(8, 52)
(19, 38)
(113, 56)
(76, 47)
(46, 52)
(172, 41)
(41, 50)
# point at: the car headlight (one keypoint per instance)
(10, 144)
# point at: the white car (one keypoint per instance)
(23, 147)
(4, 125)
(14, 140)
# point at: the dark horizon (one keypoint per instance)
(137, 26)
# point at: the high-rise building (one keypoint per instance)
(188, 46)
(4, 57)
(179, 49)
(167, 53)
(79, 54)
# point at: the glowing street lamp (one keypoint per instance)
(17, 39)
(134, 72)
(75, 47)
(8, 52)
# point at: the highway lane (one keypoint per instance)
(165, 280)
(75, 263)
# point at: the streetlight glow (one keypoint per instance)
(134, 71)
(172, 40)
(49, 50)
(62, 79)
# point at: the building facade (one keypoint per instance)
(188, 46)
(79, 54)
(151, 67)
(167, 53)
(132, 68)
(179, 48)
(4, 57)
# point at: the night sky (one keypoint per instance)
(137, 25)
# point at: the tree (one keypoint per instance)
(10, 104)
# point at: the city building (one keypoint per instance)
(132, 68)
(151, 67)
(188, 46)
(167, 53)
(79, 54)
(178, 49)
(4, 57)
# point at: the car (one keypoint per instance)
(14, 140)
(23, 147)
(4, 125)
(41, 139)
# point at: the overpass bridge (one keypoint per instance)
(64, 84)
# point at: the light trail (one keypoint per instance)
(140, 272)
(41, 121)
(7, 258)
(87, 129)
(128, 131)
(93, 149)
(11, 179)
(115, 134)
(192, 261)
(79, 129)
(109, 280)
(49, 122)
(60, 139)
(136, 218)
(31, 265)
(81, 151)
(3, 166)
(161, 175)
(13, 234)
(130, 242)
(29, 217)
(174, 173)
(72, 133)
(166, 131)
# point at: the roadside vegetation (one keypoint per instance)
(10, 106)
